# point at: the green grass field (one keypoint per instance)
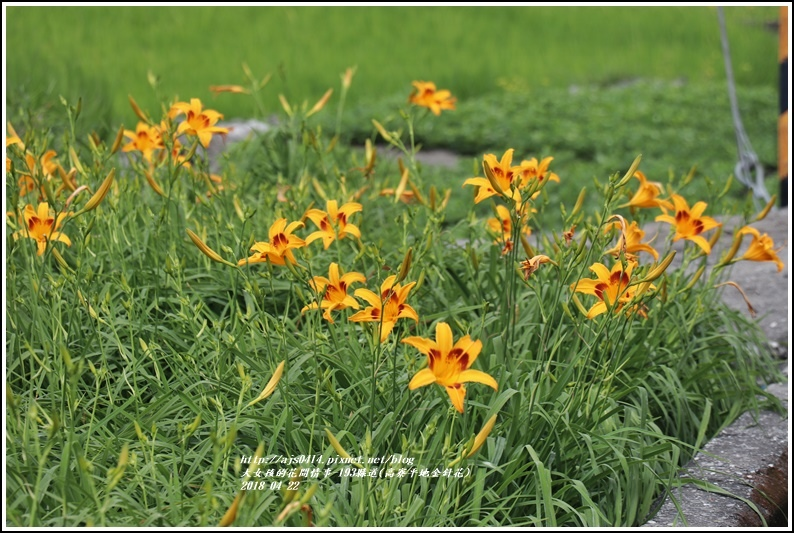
(105, 53)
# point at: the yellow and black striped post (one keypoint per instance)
(782, 121)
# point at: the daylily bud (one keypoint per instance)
(100, 194)
(117, 141)
(75, 160)
(403, 181)
(320, 103)
(660, 268)
(695, 278)
(67, 178)
(525, 244)
(78, 108)
(492, 179)
(191, 152)
(406, 266)
(137, 110)
(271, 385)
(285, 105)
(385, 134)
(715, 237)
(578, 304)
(737, 242)
(765, 211)
(153, 183)
(579, 202)
(630, 173)
(347, 77)
(479, 440)
(206, 250)
(231, 513)
(432, 197)
(338, 447)
(247, 71)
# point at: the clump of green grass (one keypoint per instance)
(137, 350)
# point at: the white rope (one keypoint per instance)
(748, 160)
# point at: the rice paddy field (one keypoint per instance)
(306, 332)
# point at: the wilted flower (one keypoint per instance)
(529, 266)
(449, 365)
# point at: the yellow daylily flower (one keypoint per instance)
(449, 366)
(145, 139)
(761, 249)
(334, 291)
(647, 194)
(532, 170)
(279, 250)
(388, 307)
(631, 238)
(503, 173)
(611, 287)
(426, 95)
(41, 225)
(198, 122)
(690, 223)
(333, 224)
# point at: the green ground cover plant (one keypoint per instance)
(541, 366)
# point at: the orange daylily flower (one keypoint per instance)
(503, 173)
(48, 167)
(41, 225)
(426, 95)
(647, 195)
(198, 122)
(279, 250)
(449, 365)
(388, 307)
(145, 139)
(334, 291)
(761, 249)
(611, 287)
(631, 238)
(689, 223)
(333, 224)
(532, 170)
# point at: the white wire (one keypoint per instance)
(748, 159)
